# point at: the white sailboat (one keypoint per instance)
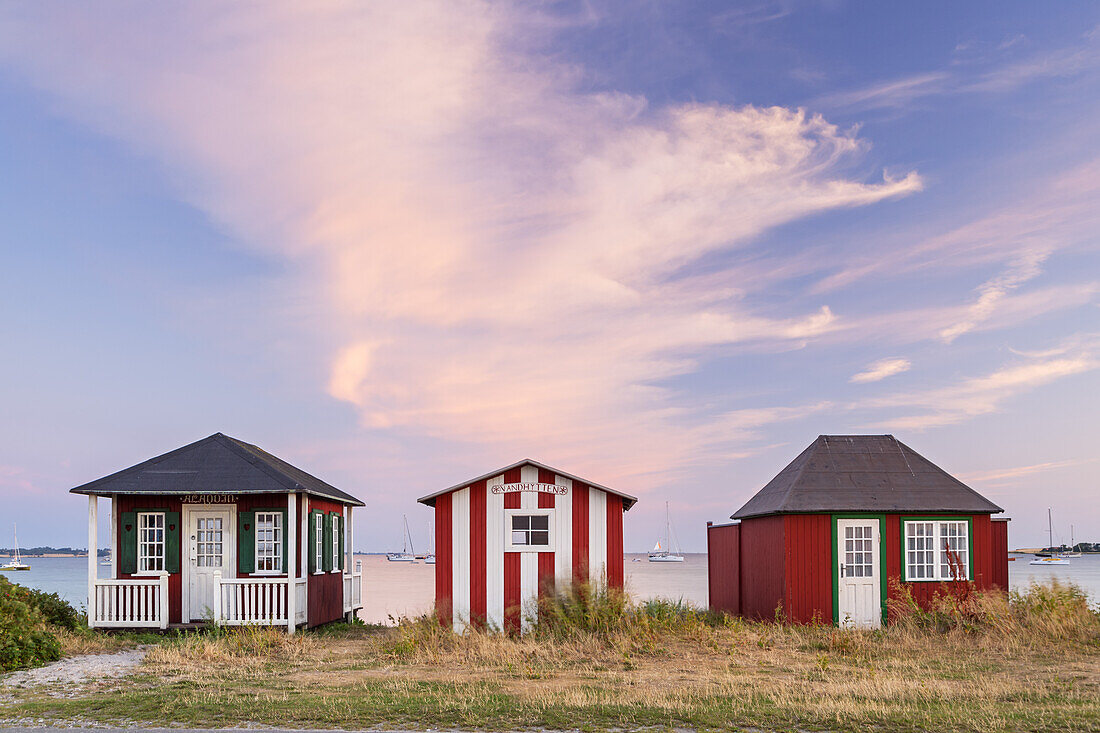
(1055, 559)
(15, 563)
(429, 559)
(407, 553)
(661, 553)
(1071, 552)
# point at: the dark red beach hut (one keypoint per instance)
(825, 538)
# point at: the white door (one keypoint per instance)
(210, 550)
(859, 574)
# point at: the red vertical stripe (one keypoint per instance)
(511, 501)
(546, 501)
(580, 532)
(614, 541)
(546, 574)
(443, 559)
(478, 561)
(512, 607)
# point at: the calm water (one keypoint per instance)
(400, 589)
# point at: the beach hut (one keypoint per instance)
(221, 530)
(506, 537)
(850, 522)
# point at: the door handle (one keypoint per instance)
(842, 570)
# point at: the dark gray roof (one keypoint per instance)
(863, 473)
(628, 500)
(215, 465)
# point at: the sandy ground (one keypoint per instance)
(76, 670)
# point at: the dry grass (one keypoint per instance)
(980, 663)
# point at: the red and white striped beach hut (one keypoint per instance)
(505, 538)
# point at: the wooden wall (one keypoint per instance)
(763, 566)
(724, 568)
(325, 590)
(808, 542)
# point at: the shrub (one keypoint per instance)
(25, 640)
(55, 609)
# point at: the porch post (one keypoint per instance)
(93, 519)
(349, 536)
(112, 525)
(291, 556)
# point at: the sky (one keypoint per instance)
(660, 245)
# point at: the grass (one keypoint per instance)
(973, 663)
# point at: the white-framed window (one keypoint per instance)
(269, 542)
(208, 542)
(150, 549)
(319, 543)
(937, 549)
(529, 530)
(335, 543)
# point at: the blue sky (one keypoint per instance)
(661, 245)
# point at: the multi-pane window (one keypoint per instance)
(269, 542)
(335, 542)
(531, 530)
(208, 542)
(319, 542)
(937, 550)
(150, 542)
(858, 548)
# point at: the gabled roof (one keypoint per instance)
(628, 500)
(215, 465)
(863, 473)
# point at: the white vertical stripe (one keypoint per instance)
(460, 558)
(529, 561)
(494, 554)
(563, 534)
(597, 536)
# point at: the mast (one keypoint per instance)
(668, 530)
(1050, 529)
(15, 531)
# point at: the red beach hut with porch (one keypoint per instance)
(850, 521)
(221, 530)
(508, 536)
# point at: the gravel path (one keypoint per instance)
(74, 670)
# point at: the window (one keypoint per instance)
(269, 542)
(858, 549)
(319, 543)
(150, 542)
(531, 530)
(937, 550)
(335, 543)
(208, 542)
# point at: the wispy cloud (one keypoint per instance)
(502, 255)
(993, 292)
(881, 369)
(999, 474)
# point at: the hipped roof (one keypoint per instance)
(628, 500)
(863, 473)
(218, 464)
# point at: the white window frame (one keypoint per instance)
(319, 544)
(940, 568)
(142, 544)
(542, 512)
(335, 545)
(277, 531)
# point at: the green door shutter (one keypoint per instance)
(326, 545)
(286, 543)
(341, 531)
(246, 542)
(311, 551)
(127, 545)
(172, 542)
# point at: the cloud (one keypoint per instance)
(1018, 471)
(994, 291)
(881, 369)
(501, 257)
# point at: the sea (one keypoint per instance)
(395, 589)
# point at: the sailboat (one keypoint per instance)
(661, 553)
(429, 559)
(1071, 552)
(15, 563)
(407, 553)
(1048, 560)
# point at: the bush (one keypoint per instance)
(25, 639)
(56, 610)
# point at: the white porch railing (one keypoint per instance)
(252, 601)
(133, 603)
(353, 589)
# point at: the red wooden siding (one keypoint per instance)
(175, 580)
(998, 546)
(724, 568)
(614, 541)
(580, 532)
(763, 579)
(478, 563)
(325, 590)
(443, 559)
(512, 607)
(546, 574)
(808, 540)
(546, 501)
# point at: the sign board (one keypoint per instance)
(208, 499)
(516, 488)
